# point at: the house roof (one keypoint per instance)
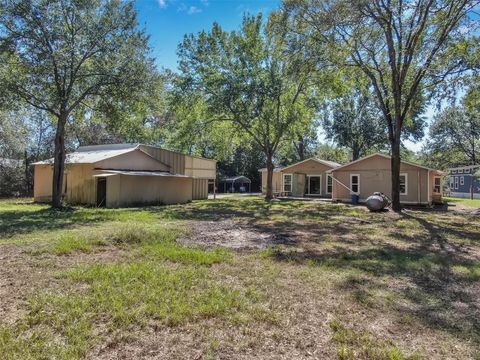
(386, 157)
(331, 164)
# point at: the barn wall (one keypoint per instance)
(175, 160)
(142, 190)
(43, 178)
(199, 189)
(135, 160)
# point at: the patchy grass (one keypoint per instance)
(335, 281)
(362, 345)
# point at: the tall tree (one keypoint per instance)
(404, 47)
(247, 79)
(455, 136)
(63, 55)
(353, 122)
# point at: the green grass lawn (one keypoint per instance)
(325, 281)
(475, 203)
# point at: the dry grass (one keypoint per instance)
(305, 280)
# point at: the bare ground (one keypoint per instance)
(430, 311)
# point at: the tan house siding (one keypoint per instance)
(276, 181)
(375, 176)
(300, 173)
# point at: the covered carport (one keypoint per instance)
(236, 184)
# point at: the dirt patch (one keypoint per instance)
(235, 235)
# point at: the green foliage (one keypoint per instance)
(353, 122)
(246, 78)
(454, 138)
(332, 153)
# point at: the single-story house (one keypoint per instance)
(305, 178)
(125, 175)
(418, 184)
(464, 181)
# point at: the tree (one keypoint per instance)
(405, 48)
(456, 132)
(353, 122)
(246, 78)
(64, 55)
(332, 153)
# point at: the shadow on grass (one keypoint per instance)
(437, 293)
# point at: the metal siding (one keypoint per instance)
(199, 189)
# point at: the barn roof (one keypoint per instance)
(93, 154)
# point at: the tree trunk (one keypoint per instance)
(59, 162)
(301, 148)
(355, 153)
(395, 164)
(269, 192)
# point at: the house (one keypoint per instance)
(305, 178)
(125, 175)
(464, 180)
(418, 184)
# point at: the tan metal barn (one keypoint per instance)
(126, 175)
(419, 184)
(306, 178)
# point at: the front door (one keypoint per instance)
(298, 184)
(101, 192)
(314, 185)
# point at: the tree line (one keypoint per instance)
(360, 74)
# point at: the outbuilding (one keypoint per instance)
(240, 184)
(419, 185)
(120, 175)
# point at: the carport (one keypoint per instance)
(236, 184)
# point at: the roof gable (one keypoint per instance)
(385, 157)
(329, 164)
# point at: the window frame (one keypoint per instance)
(456, 183)
(452, 182)
(329, 176)
(406, 184)
(291, 182)
(358, 184)
(462, 180)
(439, 185)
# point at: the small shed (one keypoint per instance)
(239, 184)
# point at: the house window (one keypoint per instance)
(329, 184)
(287, 182)
(456, 182)
(454, 171)
(355, 183)
(403, 184)
(462, 180)
(467, 171)
(437, 185)
(460, 171)
(451, 182)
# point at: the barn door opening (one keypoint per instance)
(101, 192)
